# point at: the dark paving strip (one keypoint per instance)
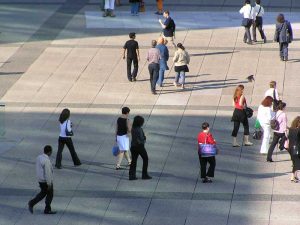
(156, 195)
(117, 106)
(32, 49)
(183, 6)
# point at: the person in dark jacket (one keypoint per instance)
(294, 147)
(138, 148)
(283, 35)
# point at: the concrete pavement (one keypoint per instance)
(77, 64)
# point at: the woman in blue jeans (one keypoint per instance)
(181, 60)
(134, 7)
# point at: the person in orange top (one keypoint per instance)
(159, 4)
(205, 137)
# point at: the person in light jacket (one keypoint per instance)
(181, 60)
(65, 138)
(248, 13)
(279, 135)
(264, 116)
(44, 172)
(284, 36)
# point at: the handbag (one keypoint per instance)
(257, 135)
(249, 112)
(115, 150)
(207, 150)
(274, 123)
(68, 133)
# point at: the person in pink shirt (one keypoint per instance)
(279, 135)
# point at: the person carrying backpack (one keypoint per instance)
(168, 28)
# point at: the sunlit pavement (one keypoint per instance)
(55, 55)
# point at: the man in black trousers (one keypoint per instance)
(44, 172)
(133, 56)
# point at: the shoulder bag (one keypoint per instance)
(246, 22)
(207, 150)
(68, 133)
(274, 123)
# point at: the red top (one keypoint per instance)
(237, 103)
(208, 136)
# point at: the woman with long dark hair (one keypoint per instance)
(138, 148)
(294, 145)
(239, 116)
(65, 139)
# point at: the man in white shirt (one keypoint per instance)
(258, 23)
(248, 13)
(44, 172)
(272, 92)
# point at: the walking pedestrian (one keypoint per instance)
(133, 56)
(284, 36)
(272, 92)
(164, 57)
(159, 4)
(280, 134)
(169, 28)
(65, 138)
(153, 58)
(138, 148)
(205, 137)
(248, 15)
(134, 7)
(239, 116)
(123, 128)
(264, 116)
(294, 147)
(109, 7)
(44, 172)
(181, 60)
(258, 21)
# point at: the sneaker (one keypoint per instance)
(147, 177)
(30, 208)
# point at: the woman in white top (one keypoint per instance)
(264, 116)
(248, 13)
(65, 139)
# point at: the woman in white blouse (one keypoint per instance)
(248, 13)
(264, 116)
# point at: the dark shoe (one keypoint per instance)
(245, 41)
(294, 180)
(119, 168)
(265, 40)
(130, 80)
(205, 180)
(30, 208)
(57, 167)
(249, 43)
(134, 79)
(209, 180)
(254, 40)
(281, 58)
(270, 160)
(77, 164)
(132, 178)
(285, 59)
(157, 13)
(49, 212)
(147, 177)
(154, 92)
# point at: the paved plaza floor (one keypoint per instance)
(62, 53)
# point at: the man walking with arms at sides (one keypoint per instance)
(44, 172)
(133, 56)
(153, 58)
(168, 28)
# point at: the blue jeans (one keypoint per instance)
(161, 77)
(135, 8)
(180, 76)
